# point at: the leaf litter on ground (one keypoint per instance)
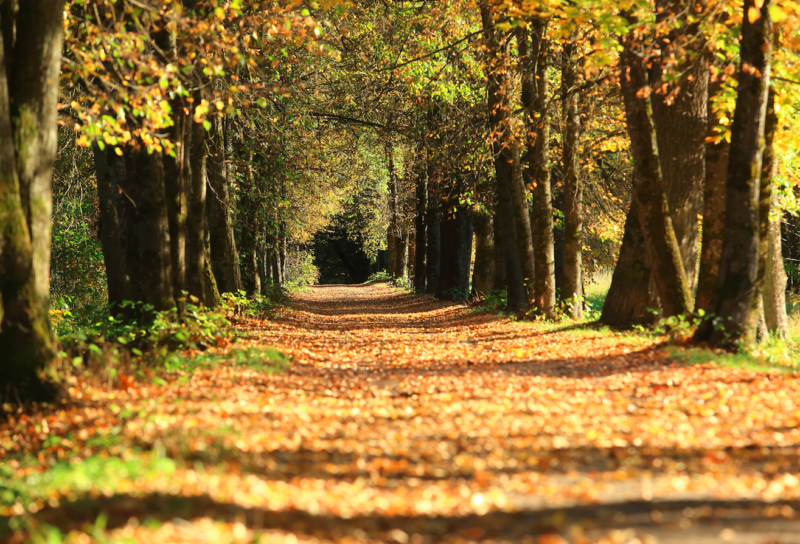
(388, 417)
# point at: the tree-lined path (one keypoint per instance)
(402, 418)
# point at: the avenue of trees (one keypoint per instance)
(485, 146)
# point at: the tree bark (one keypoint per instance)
(668, 270)
(109, 169)
(30, 60)
(774, 289)
(629, 295)
(536, 165)
(432, 240)
(33, 74)
(735, 298)
(512, 227)
(680, 117)
(456, 228)
(401, 259)
(394, 240)
(419, 228)
(483, 270)
(196, 278)
(177, 173)
(771, 274)
(716, 169)
(572, 288)
(155, 261)
(224, 255)
(500, 283)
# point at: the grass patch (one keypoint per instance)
(777, 357)
(595, 291)
(266, 360)
(24, 490)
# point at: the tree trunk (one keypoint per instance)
(432, 241)
(419, 228)
(211, 295)
(668, 270)
(177, 173)
(629, 295)
(500, 283)
(572, 288)
(771, 275)
(129, 225)
(394, 240)
(33, 72)
(536, 165)
(196, 280)
(512, 227)
(716, 169)
(31, 57)
(774, 290)
(401, 248)
(224, 256)
(681, 120)
(155, 261)
(456, 230)
(735, 298)
(483, 271)
(109, 169)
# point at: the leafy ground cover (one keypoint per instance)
(366, 414)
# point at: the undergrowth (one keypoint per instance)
(383, 276)
(98, 340)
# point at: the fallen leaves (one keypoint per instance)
(399, 407)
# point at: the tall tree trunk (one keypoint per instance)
(500, 283)
(30, 60)
(129, 225)
(401, 248)
(196, 278)
(716, 169)
(654, 213)
(456, 228)
(629, 295)
(224, 256)
(513, 225)
(483, 270)
(680, 117)
(774, 290)
(109, 169)
(177, 173)
(394, 241)
(33, 73)
(536, 164)
(735, 298)
(572, 287)
(419, 228)
(771, 275)
(433, 239)
(155, 262)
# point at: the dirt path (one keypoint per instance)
(405, 419)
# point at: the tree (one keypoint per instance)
(30, 54)
(533, 45)
(572, 288)
(512, 228)
(735, 298)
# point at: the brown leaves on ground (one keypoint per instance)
(410, 420)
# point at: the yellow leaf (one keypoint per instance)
(753, 15)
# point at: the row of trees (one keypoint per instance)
(222, 132)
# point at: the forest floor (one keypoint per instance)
(404, 419)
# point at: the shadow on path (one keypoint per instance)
(683, 517)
